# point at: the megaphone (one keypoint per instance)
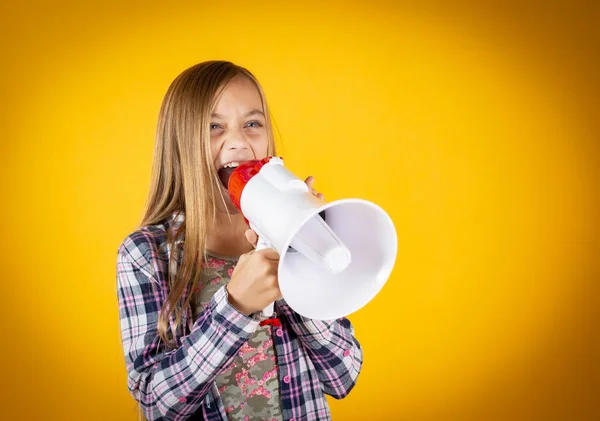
(333, 257)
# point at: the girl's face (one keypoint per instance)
(238, 130)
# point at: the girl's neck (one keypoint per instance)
(228, 239)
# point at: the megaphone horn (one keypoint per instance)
(329, 267)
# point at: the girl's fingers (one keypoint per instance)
(252, 237)
(309, 182)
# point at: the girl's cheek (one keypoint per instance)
(214, 149)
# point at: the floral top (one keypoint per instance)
(249, 387)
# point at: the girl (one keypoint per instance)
(191, 287)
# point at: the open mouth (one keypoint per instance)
(225, 172)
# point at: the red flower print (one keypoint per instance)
(213, 263)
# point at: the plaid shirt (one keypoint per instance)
(313, 357)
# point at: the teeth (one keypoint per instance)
(231, 165)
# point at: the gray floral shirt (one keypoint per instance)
(249, 387)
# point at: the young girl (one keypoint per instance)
(191, 287)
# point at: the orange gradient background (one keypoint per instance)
(475, 126)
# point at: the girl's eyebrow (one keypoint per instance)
(248, 114)
(254, 112)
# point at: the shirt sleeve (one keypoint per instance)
(332, 348)
(171, 384)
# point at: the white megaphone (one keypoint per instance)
(334, 257)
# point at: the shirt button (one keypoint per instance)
(279, 333)
(286, 379)
(182, 400)
(346, 353)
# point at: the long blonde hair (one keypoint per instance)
(183, 175)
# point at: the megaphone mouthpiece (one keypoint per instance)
(241, 176)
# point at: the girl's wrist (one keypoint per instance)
(236, 304)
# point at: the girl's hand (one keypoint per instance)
(254, 283)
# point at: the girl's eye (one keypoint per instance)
(253, 124)
(214, 126)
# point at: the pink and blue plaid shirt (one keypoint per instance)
(314, 357)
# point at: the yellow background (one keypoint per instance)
(474, 126)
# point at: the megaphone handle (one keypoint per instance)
(260, 245)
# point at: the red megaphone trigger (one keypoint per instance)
(240, 177)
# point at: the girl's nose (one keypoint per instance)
(236, 140)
